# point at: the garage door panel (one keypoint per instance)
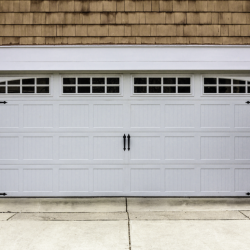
(242, 116)
(180, 148)
(9, 116)
(38, 116)
(73, 115)
(9, 147)
(9, 180)
(108, 147)
(73, 180)
(73, 148)
(215, 180)
(145, 115)
(242, 147)
(37, 180)
(145, 179)
(108, 180)
(179, 116)
(108, 116)
(145, 148)
(180, 179)
(215, 115)
(215, 147)
(38, 148)
(242, 180)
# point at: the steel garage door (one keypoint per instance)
(182, 141)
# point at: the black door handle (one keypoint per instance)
(124, 142)
(128, 142)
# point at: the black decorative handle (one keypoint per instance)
(3, 102)
(124, 142)
(4, 194)
(128, 142)
(247, 102)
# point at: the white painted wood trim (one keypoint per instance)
(124, 58)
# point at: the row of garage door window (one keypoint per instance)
(111, 85)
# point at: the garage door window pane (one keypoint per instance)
(2, 83)
(156, 81)
(210, 90)
(185, 81)
(42, 81)
(13, 90)
(183, 89)
(209, 81)
(225, 90)
(224, 81)
(100, 81)
(169, 81)
(28, 81)
(239, 89)
(83, 89)
(140, 89)
(69, 81)
(98, 89)
(113, 81)
(28, 90)
(140, 81)
(155, 89)
(240, 82)
(113, 89)
(14, 82)
(85, 81)
(69, 89)
(2, 89)
(169, 89)
(43, 90)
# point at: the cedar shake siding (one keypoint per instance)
(76, 22)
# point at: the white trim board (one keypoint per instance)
(124, 58)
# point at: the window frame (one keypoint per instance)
(191, 94)
(76, 76)
(232, 78)
(6, 79)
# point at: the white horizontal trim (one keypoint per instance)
(124, 58)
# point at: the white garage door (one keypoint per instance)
(184, 135)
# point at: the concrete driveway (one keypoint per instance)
(124, 223)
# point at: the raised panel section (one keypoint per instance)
(9, 115)
(180, 180)
(242, 116)
(215, 180)
(108, 116)
(179, 116)
(74, 116)
(215, 115)
(38, 116)
(145, 116)
(145, 148)
(73, 180)
(73, 148)
(9, 148)
(108, 148)
(215, 147)
(145, 180)
(179, 148)
(108, 180)
(37, 180)
(9, 180)
(38, 148)
(242, 180)
(242, 147)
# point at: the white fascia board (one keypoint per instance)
(123, 58)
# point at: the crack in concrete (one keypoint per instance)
(244, 215)
(129, 237)
(11, 217)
